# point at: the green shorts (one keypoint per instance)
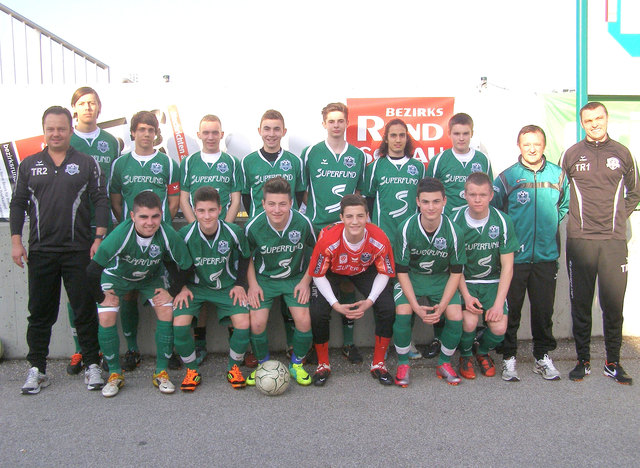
(272, 288)
(486, 294)
(218, 297)
(429, 287)
(146, 288)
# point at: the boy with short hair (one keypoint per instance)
(133, 257)
(215, 245)
(144, 168)
(332, 169)
(490, 242)
(430, 259)
(279, 238)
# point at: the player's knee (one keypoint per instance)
(469, 321)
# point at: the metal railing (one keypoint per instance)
(43, 53)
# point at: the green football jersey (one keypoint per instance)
(124, 257)
(485, 244)
(280, 254)
(329, 177)
(426, 254)
(453, 174)
(225, 175)
(257, 170)
(215, 259)
(394, 189)
(160, 174)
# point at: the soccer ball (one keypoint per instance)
(272, 378)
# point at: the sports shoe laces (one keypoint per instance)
(510, 364)
(322, 367)
(547, 363)
(380, 366)
(93, 371)
(32, 376)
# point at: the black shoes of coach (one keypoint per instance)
(617, 373)
(583, 368)
(432, 349)
(352, 353)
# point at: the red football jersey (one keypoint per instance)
(332, 253)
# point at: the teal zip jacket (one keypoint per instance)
(536, 202)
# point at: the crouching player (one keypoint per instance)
(361, 252)
(430, 257)
(490, 241)
(133, 258)
(215, 247)
(278, 239)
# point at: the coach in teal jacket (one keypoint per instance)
(535, 193)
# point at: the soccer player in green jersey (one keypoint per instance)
(144, 168)
(430, 257)
(332, 169)
(133, 257)
(452, 167)
(278, 238)
(490, 242)
(268, 162)
(215, 245)
(390, 184)
(215, 168)
(104, 148)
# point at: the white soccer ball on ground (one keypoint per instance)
(272, 378)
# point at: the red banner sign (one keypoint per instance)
(426, 119)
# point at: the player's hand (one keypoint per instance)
(255, 295)
(161, 297)
(359, 308)
(94, 247)
(18, 252)
(425, 314)
(438, 310)
(343, 309)
(110, 299)
(494, 314)
(301, 292)
(182, 298)
(239, 296)
(473, 305)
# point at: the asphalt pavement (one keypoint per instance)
(352, 421)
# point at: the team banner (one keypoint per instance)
(12, 153)
(426, 119)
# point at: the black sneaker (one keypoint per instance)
(75, 364)
(583, 368)
(322, 374)
(131, 360)
(379, 371)
(432, 349)
(617, 373)
(175, 362)
(352, 353)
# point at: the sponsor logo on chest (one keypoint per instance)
(72, 169)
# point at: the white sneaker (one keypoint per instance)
(114, 384)
(509, 372)
(414, 353)
(161, 380)
(35, 381)
(93, 377)
(546, 368)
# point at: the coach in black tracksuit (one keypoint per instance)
(54, 188)
(600, 171)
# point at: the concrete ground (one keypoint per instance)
(352, 421)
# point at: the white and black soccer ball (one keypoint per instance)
(272, 378)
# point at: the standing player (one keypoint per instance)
(215, 246)
(535, 194)
(391, 183)
(278, 238)
(332, 169)
(431, 256)
(360, 252)
(215, 168)
(133, 257)
(490, 241)
(604, 192)
(104, 148)
(452, 167)
(143, 169)
(54, 187)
